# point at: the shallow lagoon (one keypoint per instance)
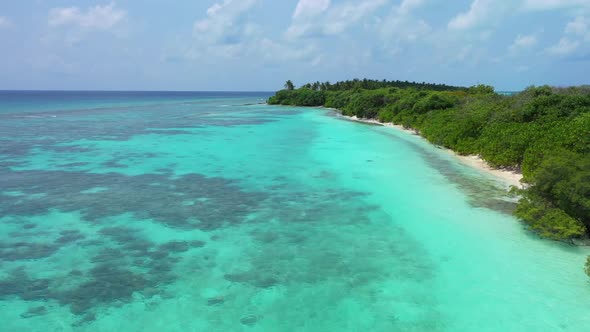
(213, 213)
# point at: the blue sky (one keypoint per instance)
(258, 44)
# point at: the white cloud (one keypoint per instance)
(322, 19)
(224, 23)
(477, 13)
(5, 22)
(576, 34)
(408, 5)
(307, 8)
(97, 17)
(554, 4)
(523, 42)
(578, 26)
(400, 26)
(565, 46)
(226, 32)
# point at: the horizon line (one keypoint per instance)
(99, 90)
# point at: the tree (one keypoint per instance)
(289, 85)
(481, 89)
(588, 266)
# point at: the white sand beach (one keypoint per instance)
(511, 178)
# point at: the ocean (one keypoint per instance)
(181, 211)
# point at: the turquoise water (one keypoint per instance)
(210, 212)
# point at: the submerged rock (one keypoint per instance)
(35, 311)
(250, 320)
(217, 300)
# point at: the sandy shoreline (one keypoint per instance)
(511, 178)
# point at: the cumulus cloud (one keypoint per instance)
(227, 31)
(225, 23)
(5, 22)
(576, 35)
(309, 8)
(401, 26)
(565, 46)
(477, 13)
(408, 5)
(97, 17)
(523, 42)
(579, 27)
(319, 18)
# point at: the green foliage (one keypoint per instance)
(504, 144)
(299, 97)
(587, 269)
(552, 223)
(563, 180)
(543, 131)
(481, 90)
(365, 104)
(434, 101)
(367, 84)
(283, 97)
(307, 97)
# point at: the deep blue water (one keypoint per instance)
(45, 101)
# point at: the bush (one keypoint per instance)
(548, 222)
(365, 104)
(434, 101)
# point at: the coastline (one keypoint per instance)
(511, 178)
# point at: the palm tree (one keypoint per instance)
(289, 85)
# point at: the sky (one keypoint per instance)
(256, 45)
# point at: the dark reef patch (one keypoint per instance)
(26, 250)
(69, 236)
(176, 246)
(77, 164)
(117, 124)
(168, 132)
(113, 164)
(70, 149)
(149, 196)
(109, 284)
(106, 284)
(108, 255)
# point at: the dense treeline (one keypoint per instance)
(542, 131)
(372, 85)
